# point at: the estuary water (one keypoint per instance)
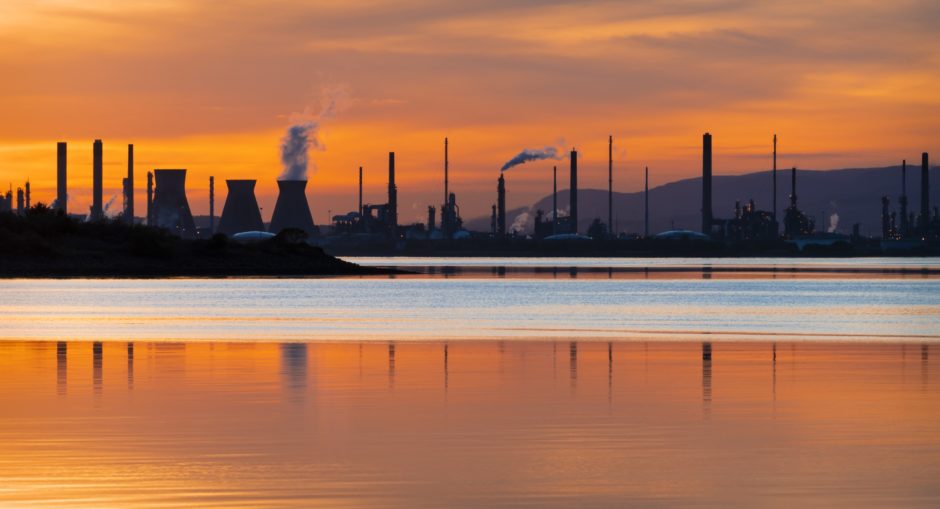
(478, 383)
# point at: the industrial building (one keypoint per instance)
(167, 207)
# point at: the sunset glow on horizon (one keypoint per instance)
(212, 88)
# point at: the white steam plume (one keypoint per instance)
(530, 154)
(304, 134)
(833, 222)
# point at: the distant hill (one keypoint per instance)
(854, 195)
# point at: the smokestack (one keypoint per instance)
(129, 188)
(62, 195)
(793, 188)
(775, 183)
(150, 199)
(28, 202)
(170, 207)
(493, 221)
(905, 224)
(360, 192)
(573, 200)
(646, 204)
(501, 207)
(291, 209)
(924, 194)
(885, 218)
(240, 212)
(212, 205)
(610, 185)
(554, 200)
(446, 168)
(392, 197)
(19, 201)
(97, 212)
(707, 184)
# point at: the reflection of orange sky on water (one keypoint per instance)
(219, 424)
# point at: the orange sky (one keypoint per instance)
(211, 87)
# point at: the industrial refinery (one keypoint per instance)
(375, 227)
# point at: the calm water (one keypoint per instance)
(520, 387)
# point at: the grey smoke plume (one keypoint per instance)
(531, 155)
(833, 222)
(106, 210)
(519, 223)
(304, 134)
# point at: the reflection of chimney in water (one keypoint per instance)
(294, 369)
(130, 366)
(61, 364)
(707, 376)
(573, 363)
(610, 370)
(391, 365)
(96, 364)
(446, 368)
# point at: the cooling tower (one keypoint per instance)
(240, 212)
(170, 209)
(291, 209)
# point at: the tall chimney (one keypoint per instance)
(610, 186)
(501, 206)
(707, 184)
(493, 221)
(646, 204)
(28, 202)
(212, 205)
(150, 198)
(774, 216)
(62, 195)
(573, 200)
(97, 212)
(793, 188)
(446, 169)
(392, 198)
(360, 193)
(129, 189)
(905, 224)
(554, 200)
(924, 194)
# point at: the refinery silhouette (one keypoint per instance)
(374, 228)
